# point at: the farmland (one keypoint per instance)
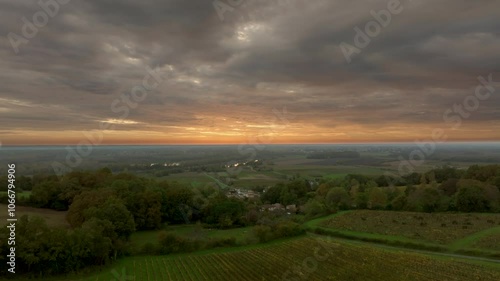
(140, 222)
(279, 162)
(491, 242)
(312, 258)
(454, 231)
(53, 218)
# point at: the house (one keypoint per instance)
(272, 207)
(291, 208)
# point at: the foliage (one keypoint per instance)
(338, 198)
(475, 196)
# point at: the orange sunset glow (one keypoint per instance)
(184, 76)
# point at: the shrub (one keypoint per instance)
(263, 233)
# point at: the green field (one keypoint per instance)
(287, 166)
(241, 235)
(304, 258)
(23, 195)
(189, 178)
(452, 231)
(491, 242)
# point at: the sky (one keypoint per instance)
(275, 71)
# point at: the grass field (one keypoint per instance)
(23, 195)
(448, 232)
(438, 227)
(199, 179)
(53, 218)
(491, 242)
(304, 258)
(285, 167)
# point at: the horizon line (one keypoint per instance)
(250, 144)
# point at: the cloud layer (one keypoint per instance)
(224, 80)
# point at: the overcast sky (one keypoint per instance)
(268, 70)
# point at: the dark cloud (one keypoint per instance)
(263, 55)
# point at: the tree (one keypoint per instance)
(99, 236)
(273, 194)
(70, 188)
(412, 179)
(146, 209)
(492, 194)
(115, 212)
(91, 198)
(171, 243)
(470, 197)
(32, 231)
(262, 232)
(361, 200)
(371, 184)
(298, 188)
(495, 181)
(430, 199)
(113, 215)
(175, 201)
(338, 198)
(483, 173)
(287, 196)
(23, 183)
(224, 212)
(444, 173)
(399, 203)
(322, 190)
(48, 195)
(314, 208)
(449, 187)
(377, 198)
(423, 180)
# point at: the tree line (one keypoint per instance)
(444, 189)
(104, 209)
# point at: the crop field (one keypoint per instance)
(440, 228)
(53, 218)
(282, 169)
(285, 166)
(491, 242)
(304, 258)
